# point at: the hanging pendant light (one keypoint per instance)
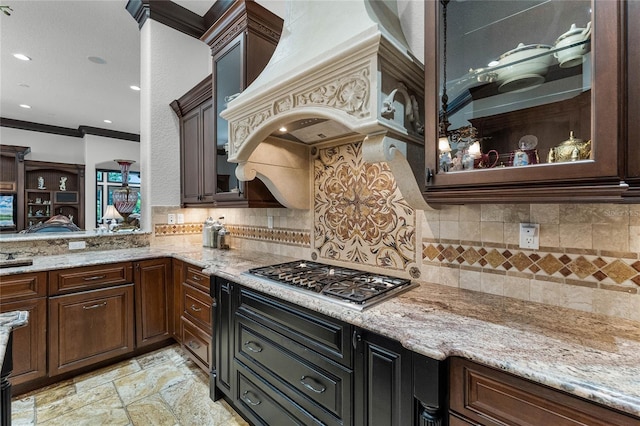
(125, 198)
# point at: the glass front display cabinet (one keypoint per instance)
(527, 100)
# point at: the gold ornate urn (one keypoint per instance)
(573, 149)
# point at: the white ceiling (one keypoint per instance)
(64, 87)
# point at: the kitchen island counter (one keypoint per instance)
(588, 355)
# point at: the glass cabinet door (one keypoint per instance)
(522, 92)
(228, 82)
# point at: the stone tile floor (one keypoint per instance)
(162, 387)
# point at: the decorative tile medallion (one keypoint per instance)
(360, 215)
(611, 272)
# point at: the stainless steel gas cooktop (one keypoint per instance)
(348, 287)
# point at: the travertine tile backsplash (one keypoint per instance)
(589, 256)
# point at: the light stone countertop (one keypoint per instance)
(9, 321)
(592, 356)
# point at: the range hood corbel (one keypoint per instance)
(343, 69)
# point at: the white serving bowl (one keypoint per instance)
(568, 55)
(523, 68)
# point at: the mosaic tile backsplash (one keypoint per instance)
(589, 256)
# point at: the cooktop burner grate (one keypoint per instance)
(338, 283)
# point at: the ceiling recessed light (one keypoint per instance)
(493, 63)
(107, 121)
(282, 129)
(25, 106)
(21, 56)
(136, 88)
(97, 60)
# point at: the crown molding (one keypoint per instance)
(175, 16)
(80, 132)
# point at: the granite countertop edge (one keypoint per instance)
(592, 356)
(9, 321)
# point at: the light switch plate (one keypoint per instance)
(530, 236)
(171, 219)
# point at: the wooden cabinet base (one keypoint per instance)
(197, 344)
(490, 397)
(90, 326)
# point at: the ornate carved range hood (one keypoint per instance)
(342, 72)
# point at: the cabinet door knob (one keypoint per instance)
(193, 345)
(194, 308)
(250, 398)
(97, 305)
(312, 384)
(253, 347)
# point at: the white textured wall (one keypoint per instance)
(97, 150)
(45, 146)
(171, 64)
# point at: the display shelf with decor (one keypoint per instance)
(11, 187)
(530, 102)
(53, 189)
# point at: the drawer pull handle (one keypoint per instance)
(97, 305)
(195, 278)
(312, 384)
(250, 398)
(95, 277)
(193, 345)
(194, 308)
(253, 347)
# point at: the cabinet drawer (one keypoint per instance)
(329, 388)
(90, 326)
(492, 397)
(197, 343)
(23, 286)
(195, 278)
(196, 307)
(89, 277)
(265, 405)
(323, 334)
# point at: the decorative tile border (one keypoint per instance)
(295, 237)
(570, 268)
(164, 229)
(276, 235)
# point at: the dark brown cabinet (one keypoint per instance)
(27, 292)
(12, 185)
(242, 41)
(510, 110)
(153, 290)
(53, 189)
(633, 102)
(90, 326)
(481, 395)
(197, 145)
(196, 316)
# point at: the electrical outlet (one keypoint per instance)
(180, 218)
(530, 236)
(77, 245)
(171, 219)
